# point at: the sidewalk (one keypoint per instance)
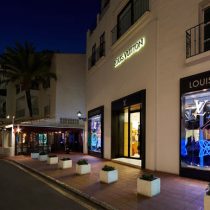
(177, 193)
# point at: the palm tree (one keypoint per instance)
(24, 66)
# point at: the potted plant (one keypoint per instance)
(35, 154)
(43, 156)
(83, 167)
(148, 185)
(65, 162)
(207, 198)
(52, 159)
(108, 174)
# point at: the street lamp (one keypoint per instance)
(13, 118)
(79, 115)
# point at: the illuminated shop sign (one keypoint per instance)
(133, 49)
(199, 82)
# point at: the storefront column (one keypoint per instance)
(12, 149)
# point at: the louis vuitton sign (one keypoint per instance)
(133, 49)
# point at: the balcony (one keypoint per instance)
(93, 59)
(198, 39)
(129, 15)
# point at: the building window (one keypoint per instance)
(102, 45)
(206, 29)
(35, 105)
(95, 131)
(104, 7)
(104, 4)
(93, 60)
(198, 37)
(124, 20)
(128, 16)
(195, 126)
(98, 52)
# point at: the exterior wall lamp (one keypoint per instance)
(79, 115)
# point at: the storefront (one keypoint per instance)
(96, 131)
(195, 126)
(49, 139)
(128, 127)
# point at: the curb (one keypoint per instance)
(66, 187)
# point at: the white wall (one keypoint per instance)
(174, 18)
(157, 68)
(106, 84)
(70, 85)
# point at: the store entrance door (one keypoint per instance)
(131, 132)
(135, 134)
(128, 128)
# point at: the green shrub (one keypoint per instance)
(65, 158)
(82, 162)
(148, 177)
(108, 168)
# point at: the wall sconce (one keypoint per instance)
(79, 115)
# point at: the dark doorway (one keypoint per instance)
(128, 127)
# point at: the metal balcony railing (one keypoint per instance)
(100, 52)
(198, 39)
(132, 14)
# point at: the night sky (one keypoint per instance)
(58, 25)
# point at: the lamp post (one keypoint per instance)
(84, 136)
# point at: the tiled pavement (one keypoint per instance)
(176, 193)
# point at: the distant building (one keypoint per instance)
(55, 106)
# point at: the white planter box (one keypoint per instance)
(52, 160)
(206, 202)
(108, 176)
(148, 188)
(34, 155)
(43, 157)
(65, 164)
(83, 169)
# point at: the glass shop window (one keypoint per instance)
(195, 130)
(94, 138)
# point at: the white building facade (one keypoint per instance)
(54, 123)
(147, 84)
